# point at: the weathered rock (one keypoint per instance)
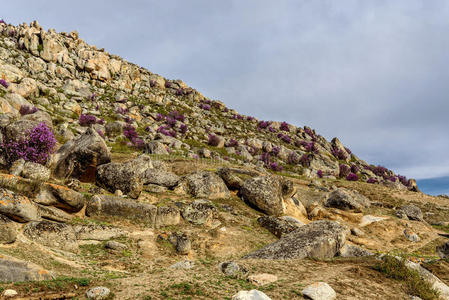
(127, 177)
(16, 207)
(160, 177)
(80, 157)
(353, 251)
(167, 216)
(279, 226)
(411, 212)
(319, 291)
(155, 147)
(185, 264)
(12, 270)
(347, 200)
(319, 239)
(117, 206)
(35, 171)
(262, 279)
(19, 185)
(19, 129)
(199, 212)
(181, 242)
(52, 234)
(54, 214)
(368, 219)
(411, 236)
(9, 293)
(61, 197)
(267, 193)
(98, 293)
(8, 230)
(113, 245)
(208, 185)
(357, 231)
(443, 250)
(232, 269)
(97, 232)
(250, 295)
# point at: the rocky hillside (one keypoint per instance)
(118, 183)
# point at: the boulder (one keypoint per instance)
(30, 170)
(79, 158)
(353, 251)
(250, 295)
(410, 212)
(127, 177)
(234, 178)
(8, 230)
(19, 129)
(54, 214)
(97, 232)
(52, 234)
(262, 279)
(98, 293)
(199, 212)
(12, 270)
(167, 216)
(232, 269)
(155, 147)
(16, 207)
(279, 226)
(118, 206)
(185, 264)
(267, 193)
(61, 197)
(320, 239)
(208, 185)
(113, 245)
(160, 177)
(411, 236)
(347, 200)
(319, 291)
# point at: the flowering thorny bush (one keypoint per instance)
(284, 127)
(344, 170)
(166, 130)
(404, 180)
(232, 143)
(352, 177)
(275, 167)
(311, 147)
(36, 146)
(27, 110)
(4, 83)
(319, 173)
(263, 124)
(130, 132)
(213, 140)
(183, 128)
(86, 120)
(339, 153)
(371, 180)
(293, 158)
(275, 150)
(305, 160)
(205, 106)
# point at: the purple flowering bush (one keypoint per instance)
(311, 147)
(183, 128)
(371, 180)
(305, 160)
(263, 124)
(232, 143)
(130, 132)
(293, 158)
(344, 170)
(166, 130)
(4, 83)
(275, 167)
(205, 106)
(87, 120)
(354, 169)
(284, 127)
(213, 140)
(352, 177)
(27, 110)
(339, 153)
(36, 146)
(319, 173)
(275, 150)
(176, 115)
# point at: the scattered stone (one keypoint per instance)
(181, 242)
(232, 269)
(113, 245)
(279, 226)
(357, 232)
(411, 236)
(155, 147)
(319, 239)
(98, 293)
(185, 264)
(262, 279)
(54, 214)
(368, 219)
(319, 291)
(250, 295)
(353, 251)
(443, 250)
(410, 212)
(160, 177)
(347, 200)
(167, 216)
(199, 212)
(97, 232)
(61, 197)
(207, 185)
(9, 293)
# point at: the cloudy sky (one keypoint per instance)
(374, 73)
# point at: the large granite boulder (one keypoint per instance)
(267, 193)
(12, 270)
(347, 200)
(8, 230)
(410, 212)
(320, 239)
(16, 207)
(52, 234)
(208, 185)
(79, 158)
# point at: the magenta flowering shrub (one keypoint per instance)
(213, 140)
(275, 167)
(275, 150)
(272, 129)
(171, 122)
(354, 169)
(249, 118)
(293, 158)
(339, 153)
(4, 83)
(371, 180)
(176, 115)
(309, 131)
(380, 171)
(87, 120)
(352, 177)
(121, 111)
(344, 170)
(205, 106)
(159, 117)
(237, 117)
(263, 124)
(232, 143)
(183, 128)
(92, 97)
(392, 178)
(153, 83)
(130, 132)
(284, 126)
(2, 21)
(27, 110)
(36, 146)
(319, 173)
(266, 158)
(168, 84)
(404, 180)
(166, 130)
(311, 147)
(100, 133)
(285, 138)
(305, 160)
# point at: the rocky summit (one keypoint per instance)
(117, 183)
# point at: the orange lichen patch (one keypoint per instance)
(56, 187)
(8, 175)
(43, 272)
